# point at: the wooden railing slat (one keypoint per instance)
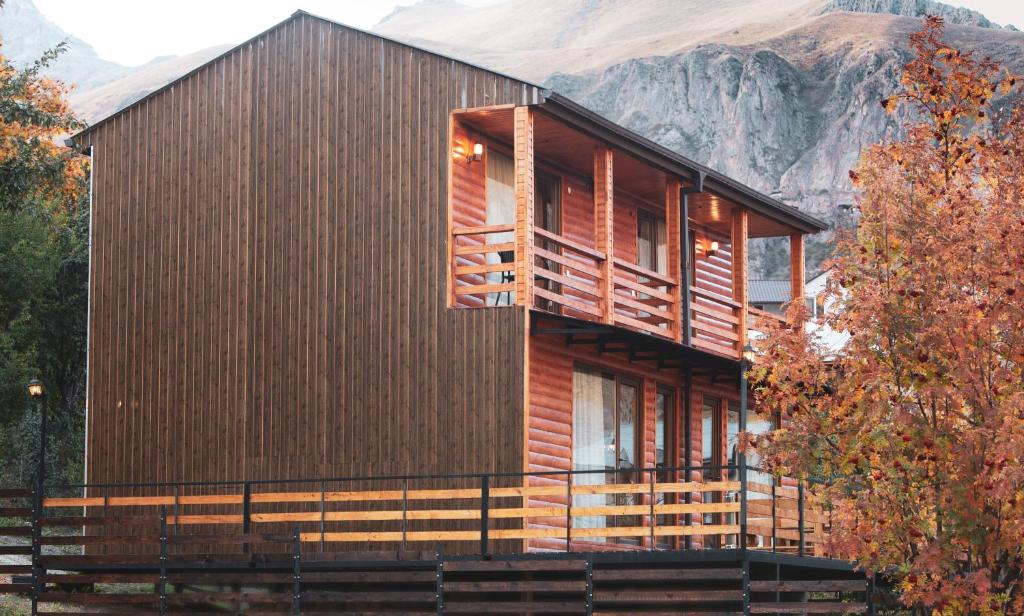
(570, 244)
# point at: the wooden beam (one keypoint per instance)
(524, 186)
(604, 226)
(673, 212)
(740, 263)
(797, 268)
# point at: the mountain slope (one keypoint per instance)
(788, 115)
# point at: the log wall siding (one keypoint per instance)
(469, 209)
(712, 273)
(268, 282)
(551, 414)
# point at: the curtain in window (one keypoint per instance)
(593, 438)
(501, 209)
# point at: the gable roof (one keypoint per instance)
(700, 175)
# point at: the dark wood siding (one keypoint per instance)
(268, 278)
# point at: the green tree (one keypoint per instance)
(43, 271)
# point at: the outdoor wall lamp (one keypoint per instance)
(474, 154)
(35, 388)
(712, 249)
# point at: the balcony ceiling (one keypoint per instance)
(573, 150)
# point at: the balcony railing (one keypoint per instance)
(568, 276)
(645, 300)
(571, 279)
(715, 322)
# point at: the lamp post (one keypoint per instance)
(35, 390)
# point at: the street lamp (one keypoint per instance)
(36, 391)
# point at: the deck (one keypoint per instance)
(544, 543)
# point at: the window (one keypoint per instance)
(547, 215)
(651, 252)
(548, 203)
(604, 440)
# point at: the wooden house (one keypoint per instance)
(328, 254)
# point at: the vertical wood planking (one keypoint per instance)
(267, 288)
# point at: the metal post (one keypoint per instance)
(485, 499)
(870, 594)
(744, 366)
(42, 438)
(296, 571)
(37, 507)
(590, 585)
(35, 389)
(405, 513)
(775, 523)
(800, 509)
(162, 584)
(323, 514)
(746, 585)
(653, 523)
(568, 511)
(246, 511)
(439, 581)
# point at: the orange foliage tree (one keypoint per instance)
(914, 431)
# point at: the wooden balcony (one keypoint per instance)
(602, 238)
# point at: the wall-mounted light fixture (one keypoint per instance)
(712, 249)
(472, 154)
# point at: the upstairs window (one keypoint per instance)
(651, 250)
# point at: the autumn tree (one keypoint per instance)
(914, 431)
(43, 270)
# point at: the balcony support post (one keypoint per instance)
(797, 271)
(604, 220)
(524, 187)
(739, 272)
(673, 212)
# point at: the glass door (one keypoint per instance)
(604, 442)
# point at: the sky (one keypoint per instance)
(114, 27)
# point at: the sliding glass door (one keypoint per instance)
(604, 441)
